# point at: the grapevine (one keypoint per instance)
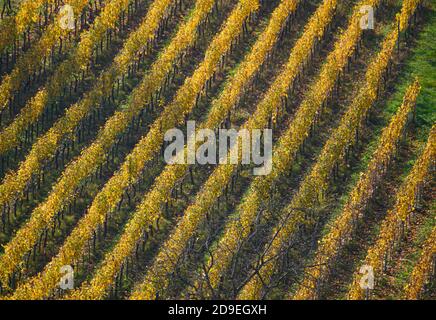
(390, 235)
(341, 228)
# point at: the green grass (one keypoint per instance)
(421, 64)
(403, 276)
